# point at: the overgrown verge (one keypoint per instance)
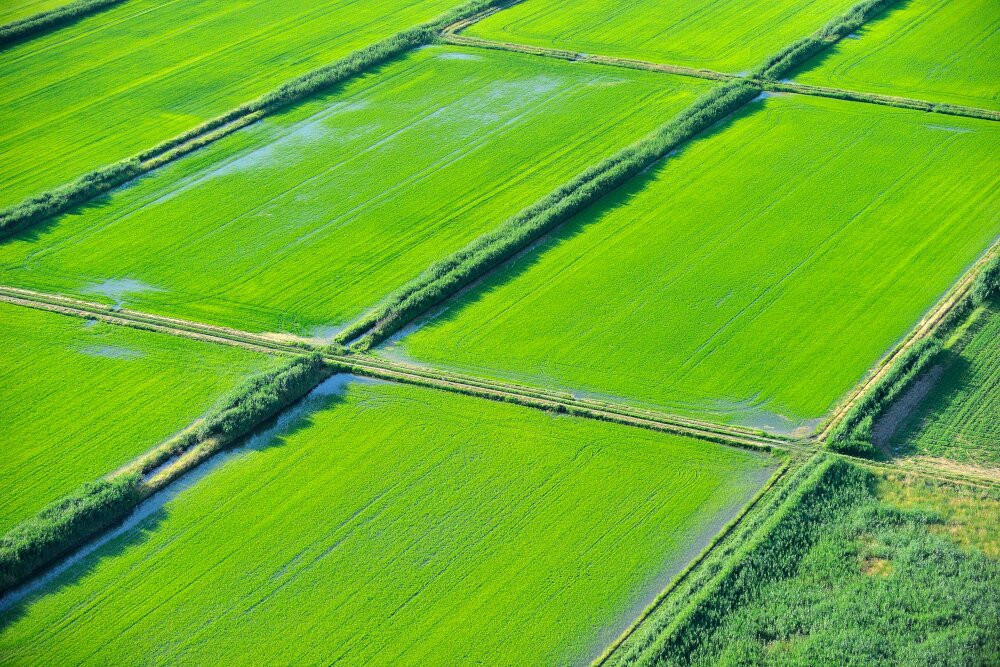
(838, 576)
(104, 179)
(785, 61)
(28, 27)
(446, 277)
(853, 434)
(61, 528)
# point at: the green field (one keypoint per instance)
(398, 525)
(81, 398)
(129, 77)
(936, 50)
(959, 418)
(302, 221)
(754, 277)
(12, 10)
(727, 35)
(859, 570)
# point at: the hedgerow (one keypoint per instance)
(446, 277)
(30, 26)
(66, 525)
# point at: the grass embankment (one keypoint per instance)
(761, 293)
(62, 527)
(853, 569)
(446, 277)
(435, 149)
(853, 434)
(47, 18)
(942, 51)
(75, 103)
(393, 524)
(729, 36)
(82, 398)
(13, 11)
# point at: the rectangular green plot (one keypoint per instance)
(935, 50)
(722, 35)
(125, 79)
(390, 524)
(302, 221)
(959, 416)
(753, 277)
(81, 398)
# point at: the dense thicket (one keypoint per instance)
(59, 529)
(323, 78)
(30, 26)
(65, 197)
(840, 577)
(793, 55)
(63, 526)
(854, 432)
(446, 277)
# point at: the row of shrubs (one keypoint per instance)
(451, 274)
(66, 525)
(853, 435)
(102, 180)
(34, 25)
(793, 55)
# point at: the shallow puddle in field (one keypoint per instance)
(117, 289)
(111, 352)
(316, 400)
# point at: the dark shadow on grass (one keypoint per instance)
(621, 197)
(146, 519)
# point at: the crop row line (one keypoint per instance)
(367, 365)
(451, 36)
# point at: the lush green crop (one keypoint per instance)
(311, 216)
(726, 35)
(855, 571)
(134, 75)
(960, 417)
(14, 10)
(759, 272)
(398, 525)
(82, 398)
(937, 50)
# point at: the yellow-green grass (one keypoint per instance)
(12, 10)
(936, 50)
(302, 221)
(755, 276)
(959, 418)
(722, 35)
(81, 398)
(127, 78)
(397, 525)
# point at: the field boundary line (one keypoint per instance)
(37, 25)
(552, 401)
(452, 35)
(925, 328)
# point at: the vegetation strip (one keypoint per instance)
(64, 198)
(64, 526)
(26, 28)
(768, 81)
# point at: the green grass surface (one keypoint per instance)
(936, 50)
(129, 77)
(864, 571)
(302, 221)
(12, 10)
(755, 276)
(960, 416)
(398, 525)
(726, 35)
(82, 398)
